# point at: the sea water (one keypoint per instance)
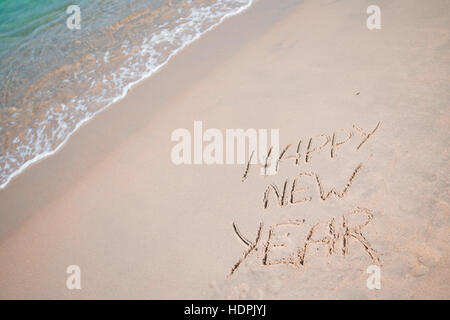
(54, 78)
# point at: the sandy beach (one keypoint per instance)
(371, 109)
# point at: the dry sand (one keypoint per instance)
(112, 202)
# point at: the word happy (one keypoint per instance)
(212, 146)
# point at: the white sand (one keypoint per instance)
(112, 202)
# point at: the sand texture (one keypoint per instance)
(373, 106)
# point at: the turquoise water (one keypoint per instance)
(35, 38)
(19, 19)
(53, 79)
(22, 24)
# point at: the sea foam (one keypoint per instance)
(39, 115)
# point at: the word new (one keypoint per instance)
(291, 196)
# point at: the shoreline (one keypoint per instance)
(198, 61)
(124, 93)
(140, 227)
